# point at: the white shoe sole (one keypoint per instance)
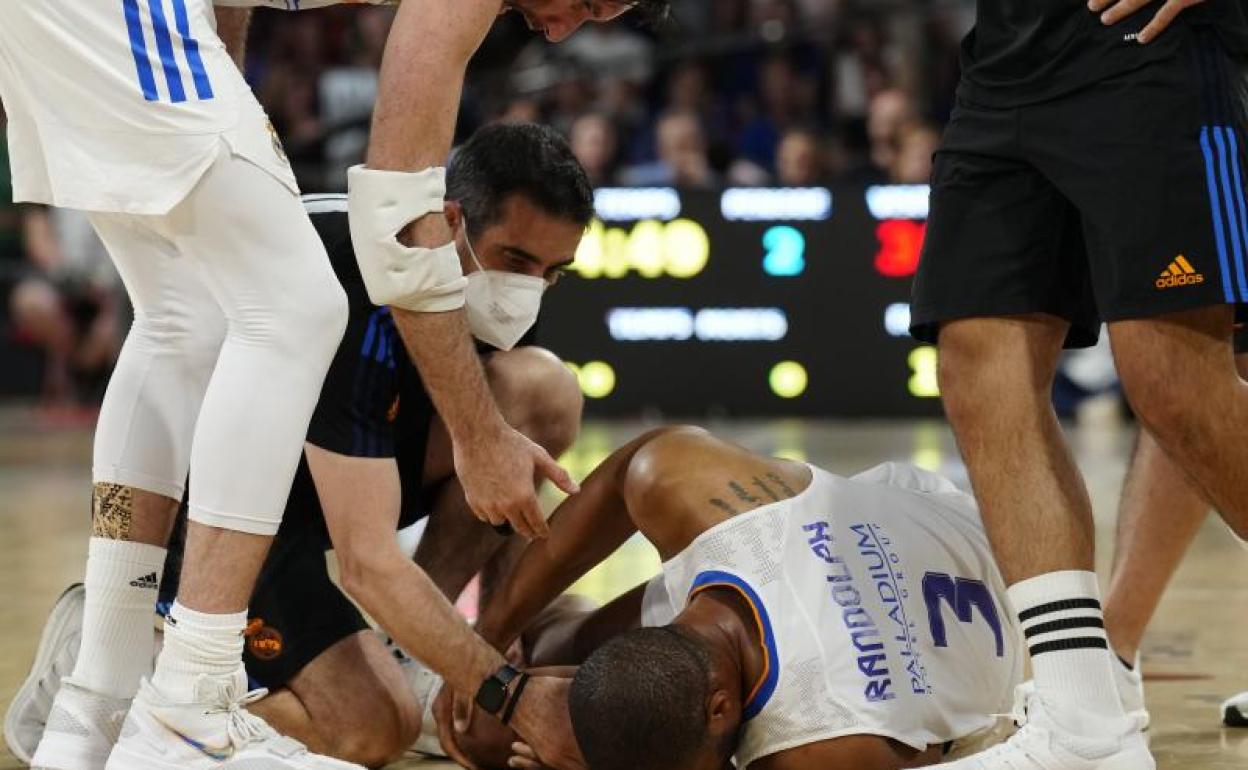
(51, 760)
(62, 613)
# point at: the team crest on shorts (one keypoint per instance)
(277, 143)
(1179, 273)
(263, 642)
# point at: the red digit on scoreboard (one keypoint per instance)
(901, 241)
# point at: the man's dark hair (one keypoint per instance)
(639, 702)
(523, 159)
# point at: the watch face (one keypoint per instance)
(491, 696)
(493, 693)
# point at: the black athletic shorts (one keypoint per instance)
(1122, 200)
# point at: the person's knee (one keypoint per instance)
(374, 736)
(375, 741)
(1158, 360)
(538, 395)
(305, 323)
(982, 360)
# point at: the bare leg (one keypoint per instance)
(370, 722)
(1158, 518)
(996, 376)
(1179, 372)
(1160, 514)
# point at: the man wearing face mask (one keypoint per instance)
(378, 458)
(518, 203)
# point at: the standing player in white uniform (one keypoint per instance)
(136, 113)
(804, 620)
(133, 110)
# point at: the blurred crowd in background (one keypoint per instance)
(725, 93)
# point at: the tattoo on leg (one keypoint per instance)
(725, 507)
(775, 478)
(743, 494)
(112, 511)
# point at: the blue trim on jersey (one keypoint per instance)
(164, 44)
(1232, 217)
(1215, 204)
(767, 688)
(199, 75)
(138, 47)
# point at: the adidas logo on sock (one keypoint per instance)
(147, 581)
(1179, 273)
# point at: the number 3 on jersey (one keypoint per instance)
(963, 596)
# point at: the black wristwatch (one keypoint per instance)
(492, 695)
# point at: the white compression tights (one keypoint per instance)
(237, 317)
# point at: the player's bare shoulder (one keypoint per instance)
(684, 480)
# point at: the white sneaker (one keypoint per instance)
(1130, 684)
(1235, 711)
(54, 660)
(1042, 745)
(81, 730)
(214, 732)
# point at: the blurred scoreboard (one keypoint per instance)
(748, 302)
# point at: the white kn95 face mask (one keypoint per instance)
(501, 306)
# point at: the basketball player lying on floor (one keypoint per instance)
(519, 203)
(803, 620)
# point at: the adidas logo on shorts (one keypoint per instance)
(147, 581)
(1179, 273)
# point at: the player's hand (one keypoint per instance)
(543, 720)
(524, 757)
(453, 713)
(1114, 11)
(497, 471)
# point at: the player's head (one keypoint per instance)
(654, 698)
(518, 199)
(558, 19)
(519, 203)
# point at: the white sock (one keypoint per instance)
(123, 580)
(1060, 614)
(198, 644)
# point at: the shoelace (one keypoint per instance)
(244, 728)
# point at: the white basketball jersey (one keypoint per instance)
(881, 609)
(121, 105)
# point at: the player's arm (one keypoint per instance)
(232, 26)
(361, 500)
(409, 262)
(567, 632)
(1114, 11)
(585, 529)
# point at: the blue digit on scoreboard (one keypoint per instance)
(786, 251)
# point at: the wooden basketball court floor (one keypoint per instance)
(1195, 655)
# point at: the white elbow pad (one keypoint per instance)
(379, 205)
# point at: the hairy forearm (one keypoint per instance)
(232, 26)
(442, 349)
(587, 528)
(402, 598)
